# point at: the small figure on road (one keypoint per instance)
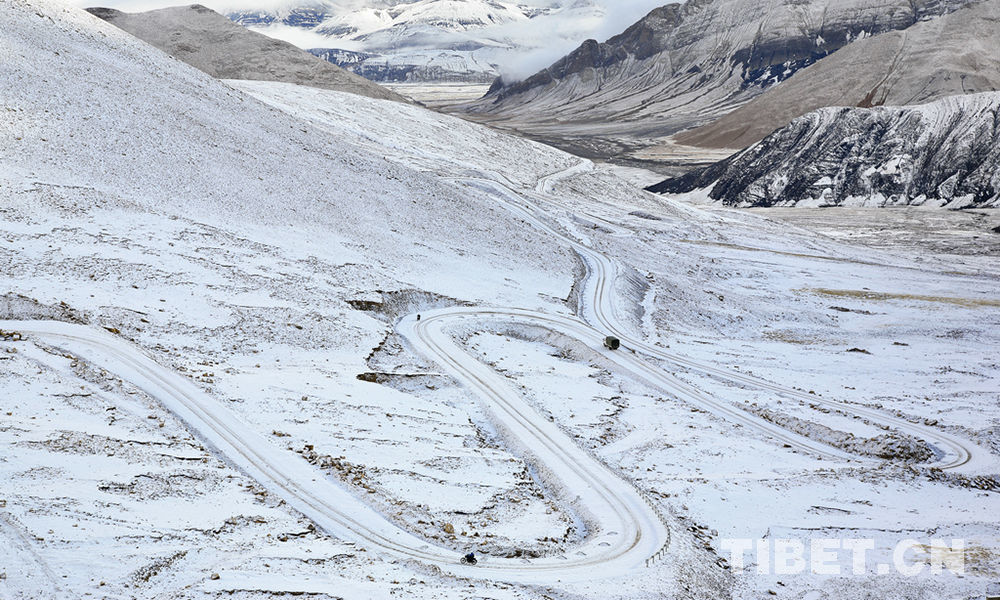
(418, 316)
(469, 559)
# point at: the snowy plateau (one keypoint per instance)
(261, 340)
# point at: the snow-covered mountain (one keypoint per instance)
(425, 40)
(214, 44)
(946, 153)
(688, 64)
(958, 53)
(216, 381)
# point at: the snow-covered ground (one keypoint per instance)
(272, 244)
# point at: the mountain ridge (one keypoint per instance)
(212, 43)
(685, 65)
(957, 53)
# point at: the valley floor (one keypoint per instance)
(965, 236)
(437, 95)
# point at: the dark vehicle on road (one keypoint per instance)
(612, 343)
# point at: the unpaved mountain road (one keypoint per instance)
(627, 530)
(951, 452)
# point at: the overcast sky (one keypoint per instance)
(542, 40)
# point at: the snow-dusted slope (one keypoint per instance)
(425, 40)
(159, 202)
(143, 128)
(943, 153)
(270, 263)
(687, 64)
(217, 46)
(958, 53)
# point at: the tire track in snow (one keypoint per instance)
(23, 565)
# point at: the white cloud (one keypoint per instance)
(544, 40)
(305, 38)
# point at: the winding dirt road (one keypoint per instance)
(951, 452)
(627, 530)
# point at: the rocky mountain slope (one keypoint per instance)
(223, 49)
(687, 64)
(943, 153)
(958, 53)
(423, 40)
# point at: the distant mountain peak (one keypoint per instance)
(417, 40)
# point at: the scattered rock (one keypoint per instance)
(987, 483)
(851, 310)
(887, 446)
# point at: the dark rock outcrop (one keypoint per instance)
(945, 153)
